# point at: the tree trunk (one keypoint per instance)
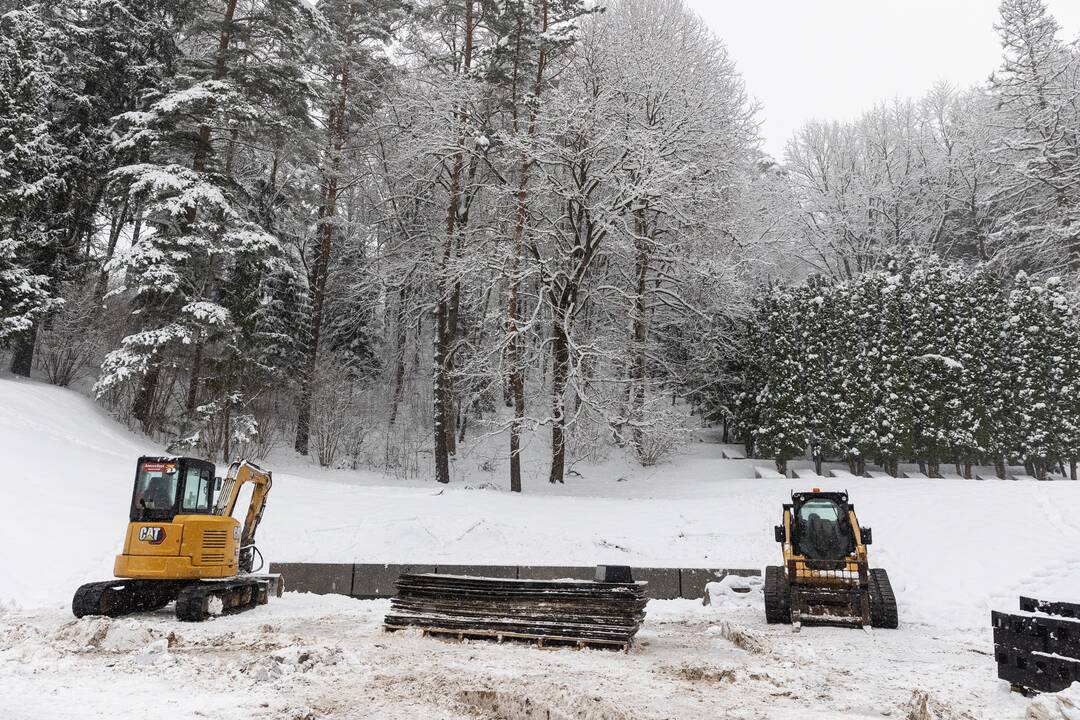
(560, 370)
(142, 408)
(193, 383)
(781, 466)
(202, 148)
(399, 356)
(440, 411)
(22, 352)
(999, 468)
(639, 332)
(339, 132)
(226, 448)
(448, 359)
(513, 311)
(117, 225)
(441, 392)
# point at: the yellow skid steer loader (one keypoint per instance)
(826, 578)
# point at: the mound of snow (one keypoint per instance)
(1064, 705)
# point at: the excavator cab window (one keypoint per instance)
(198, 487)
(156, 483)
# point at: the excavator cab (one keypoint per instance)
(167, 487)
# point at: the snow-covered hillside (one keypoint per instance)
(954, 549)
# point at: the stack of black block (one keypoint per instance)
(552, 612)
(1038, 650)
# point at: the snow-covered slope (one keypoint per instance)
(954, 549)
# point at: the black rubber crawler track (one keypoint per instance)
(777, 596)
(882, 601)
(122, 597)
(195, 603)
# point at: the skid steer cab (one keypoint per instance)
(182, 543)
(826, 577)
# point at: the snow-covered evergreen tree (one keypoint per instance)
(31, 165)
(783, 429)
(196, 272)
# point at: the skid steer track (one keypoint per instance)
(883, 612)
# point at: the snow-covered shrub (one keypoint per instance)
(661, 435)
(587, 438)
(341, 419)
(72, 337)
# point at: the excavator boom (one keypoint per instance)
(241, 473)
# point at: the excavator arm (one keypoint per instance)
(241, 473)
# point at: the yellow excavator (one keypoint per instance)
(183, 544)
(826, 578)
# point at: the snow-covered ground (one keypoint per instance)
(954, 549)
(305, 656)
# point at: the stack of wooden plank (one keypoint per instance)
(1038, 649)
(553, 612)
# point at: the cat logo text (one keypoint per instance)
(152, 535)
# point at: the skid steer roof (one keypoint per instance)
(839, 497)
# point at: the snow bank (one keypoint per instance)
(953, 548)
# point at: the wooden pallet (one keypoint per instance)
(579, 613)
(541, 641)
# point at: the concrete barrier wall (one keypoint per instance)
(371, 581)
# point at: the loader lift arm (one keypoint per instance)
(240, 473)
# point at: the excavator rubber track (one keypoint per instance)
(201, 601)
(115, 598)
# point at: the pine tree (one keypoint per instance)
(783, 429)
(31, 166)
(355, 68)
(192, 277)
(935, 372)
(818, 347)
(1032, 373)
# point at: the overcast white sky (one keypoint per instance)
(833, 59)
